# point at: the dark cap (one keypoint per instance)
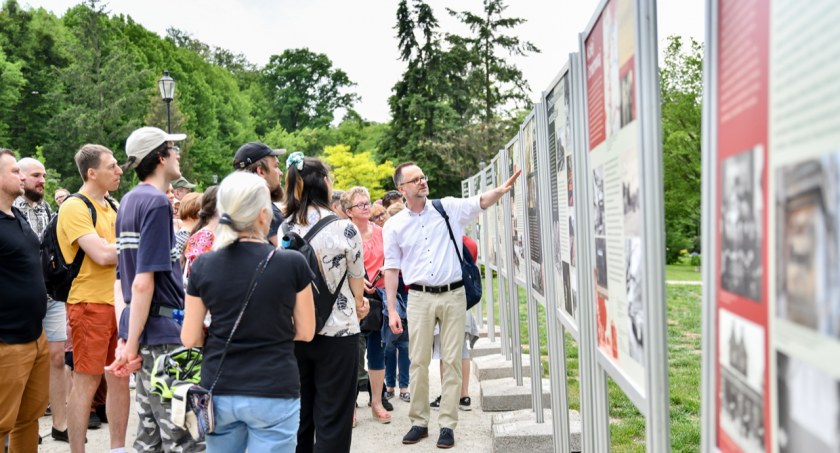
(251, 152)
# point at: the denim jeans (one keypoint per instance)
(391, 362)
(255, 423)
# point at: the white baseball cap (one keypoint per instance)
(145, 140)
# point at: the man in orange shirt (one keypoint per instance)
(90, 304)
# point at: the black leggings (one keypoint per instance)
(327, 393)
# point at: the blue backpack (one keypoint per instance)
(469, 271)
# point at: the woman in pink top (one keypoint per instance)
(356, 204)
(202, 237)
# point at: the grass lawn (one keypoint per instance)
(627, 425)
(685, 272)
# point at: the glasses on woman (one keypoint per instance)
(377, 217)
(364, 205)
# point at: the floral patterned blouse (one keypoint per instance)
(339, 249)
(199, 243)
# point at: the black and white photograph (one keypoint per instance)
(598, 201)
(808, 245)
(601, 263)
(630, 193)
(742, 211)
(627, 106)
(570, 184)
(635, 304)
(567, 289)
(572, 247)
(741, 364)
(808, 407)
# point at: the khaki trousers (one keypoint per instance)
(24, 392)
(449, 309)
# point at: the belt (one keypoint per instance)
(437, 289)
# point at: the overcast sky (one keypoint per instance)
(358, 36)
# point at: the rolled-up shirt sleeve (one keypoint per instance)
(463, 210)
(390, 244)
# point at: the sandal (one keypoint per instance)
(382, 416)
(405, 396)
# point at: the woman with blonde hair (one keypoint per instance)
(378, 215)
(328, 363)
(261, 302)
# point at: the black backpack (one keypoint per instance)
(324, 299)
(58, 274)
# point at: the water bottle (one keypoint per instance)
(178, 316)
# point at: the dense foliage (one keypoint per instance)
(681, 88)
(91, 76)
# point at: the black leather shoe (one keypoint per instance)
(60, 436)
(94, 422)
(415, 434)
(446, 439)
(387, 405)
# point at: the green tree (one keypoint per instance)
(104, 90)
(681, 85)
(360, 169)
(495, 84)
(424, 121)
(11, 80)
(34, 40)
(305, 90)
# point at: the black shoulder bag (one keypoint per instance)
(469, 271)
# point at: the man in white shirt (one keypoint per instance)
(417, 242)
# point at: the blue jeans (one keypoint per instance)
(258, 424)
(391, 362)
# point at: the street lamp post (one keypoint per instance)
(167, 92)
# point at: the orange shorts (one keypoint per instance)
(93, 329)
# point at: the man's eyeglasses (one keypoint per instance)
(416, 180)
(361, 205)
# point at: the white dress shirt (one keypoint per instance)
(419, 244)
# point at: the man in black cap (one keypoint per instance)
(258, 158)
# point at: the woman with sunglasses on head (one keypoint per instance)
(261, 302)
(328, 363)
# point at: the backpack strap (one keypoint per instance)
(286, 228)
(80, 254)
(439, 208)
(320, 226)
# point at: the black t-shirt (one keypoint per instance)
(260, 360)
(23, 298)
(276, 221)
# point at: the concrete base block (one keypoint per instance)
(518, 431)
(484, 347)
(496, 367)
(504, 395)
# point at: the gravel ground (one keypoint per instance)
(472, 435)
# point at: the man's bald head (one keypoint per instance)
(34, 178)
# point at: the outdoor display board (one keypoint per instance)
(772, 204)
(613, 153)
(476, 189)
(557, 101)
(499, 167)
(490, 227)
(531, 206)
(517, 198)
